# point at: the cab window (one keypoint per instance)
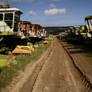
(1, 17)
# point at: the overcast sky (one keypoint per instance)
(54, 12)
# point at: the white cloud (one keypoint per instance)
(31, 13)
(54, 11)
(52, 5)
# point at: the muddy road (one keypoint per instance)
(58, 74)
(55, 72)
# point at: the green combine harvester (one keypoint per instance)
(81, 34)
(74, 35)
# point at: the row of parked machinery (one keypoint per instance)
(14, 31)
(81, 34)
(10, 24)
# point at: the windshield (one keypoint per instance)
(9, 19)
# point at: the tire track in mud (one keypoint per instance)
(29, 85)
(40, 69)
(57, 75)
(84, 80)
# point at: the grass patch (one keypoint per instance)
(3, 60)
(8, 72)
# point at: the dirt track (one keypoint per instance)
(58, 73)
(54, 72)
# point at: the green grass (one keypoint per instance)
(3, 60)
(18, 63)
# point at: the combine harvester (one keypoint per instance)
(74, 34)
(86, 30)
(9, 33)
(88, 19)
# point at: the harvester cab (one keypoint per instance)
(9, 18)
